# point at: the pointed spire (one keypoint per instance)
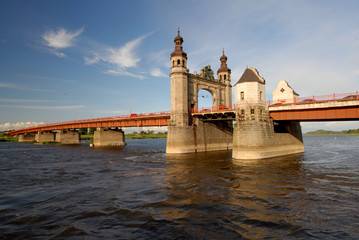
(223, 67)
(179, 38)
(178, 46)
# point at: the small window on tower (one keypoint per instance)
(224, 77)
(252, 110)
(183, 63)
(260, 95)
(242, 95)
(178, 62)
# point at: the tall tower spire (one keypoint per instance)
(224, 76)
(178, 46)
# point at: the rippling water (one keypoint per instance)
(137, 192)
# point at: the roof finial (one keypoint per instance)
(178, 31)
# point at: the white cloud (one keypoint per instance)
(60, 40)
(48, 108)
(121, 72)
(119, 59)
(156, 72)
(17, 125)
(89, 61)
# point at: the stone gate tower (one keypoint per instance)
(255, 135)
(186, 134)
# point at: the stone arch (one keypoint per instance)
(205, 98)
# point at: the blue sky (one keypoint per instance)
(66, 60)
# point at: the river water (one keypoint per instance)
(137, 192)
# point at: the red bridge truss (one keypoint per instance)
(335, 107)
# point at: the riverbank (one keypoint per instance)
(351, 132)
(6, 138)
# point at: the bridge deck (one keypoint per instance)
(340, 107)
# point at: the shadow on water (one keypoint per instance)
(226, 197)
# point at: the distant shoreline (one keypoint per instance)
(351, 132)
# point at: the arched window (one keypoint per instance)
(178, 62)
(183, 63)
(225, 77)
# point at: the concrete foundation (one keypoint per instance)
(108, 137)
(45, 137)
(258, 140)
(67, 137)
(200, 137)
(27, 137)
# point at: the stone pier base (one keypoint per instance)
(27, 137)
(201, 137)
(258, 140)
(67, 137)
(108, 137)
(45, 137)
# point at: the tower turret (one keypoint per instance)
(179, 85)
(224, 76)
(178, 56)
(224, 73)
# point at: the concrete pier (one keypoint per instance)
(200, 137)
(67, 137)
(27, 137)
(45, 136)
(108, 137)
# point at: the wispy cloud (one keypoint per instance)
(17, 125)
(21, 87)
(119, 59)
(7, 85)
(14, 100)
(46, 78)
(47, 108)
(156, 72)
(60, 39)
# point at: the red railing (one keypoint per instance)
(104, 119)
(341, 97)
(214, 109)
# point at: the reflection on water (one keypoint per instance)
(139, 192)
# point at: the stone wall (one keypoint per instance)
(257, 140)
(45, 137)
(107, 137)
(26, 137)
(200, 137)
(67, 137)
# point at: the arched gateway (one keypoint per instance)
(186, 134)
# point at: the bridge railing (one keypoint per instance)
(214, 109)
(341, 97)
(114, 118)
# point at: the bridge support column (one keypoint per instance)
(108, 137)
(200, 137)
(45, 137)
(27, 137)
(258, 140)
(67, 137)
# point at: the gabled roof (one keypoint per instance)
(251, 75)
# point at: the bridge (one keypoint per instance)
(253, 128)
(335, 107)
